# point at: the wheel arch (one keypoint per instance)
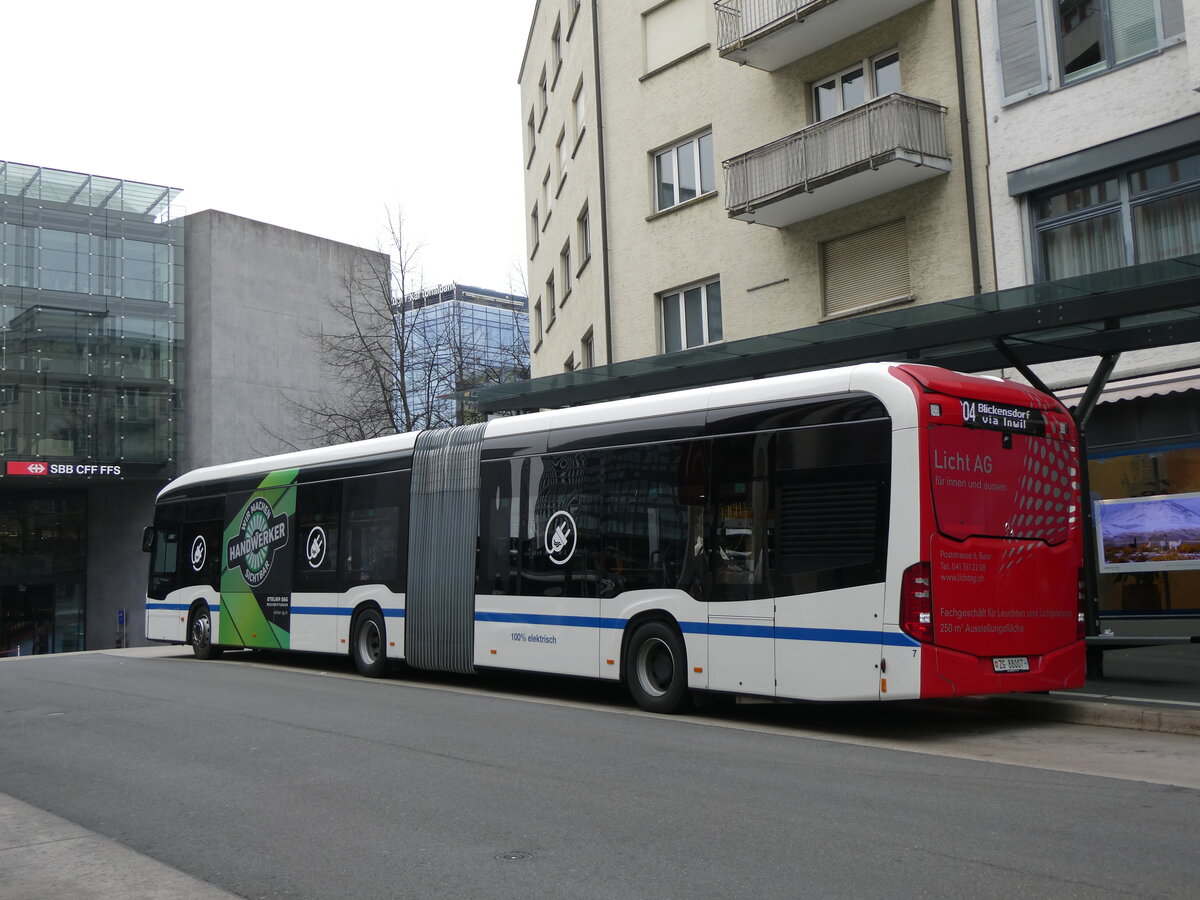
(637, 621)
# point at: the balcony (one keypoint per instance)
(866, 152)
(769, 34)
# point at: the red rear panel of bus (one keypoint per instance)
(1002, 527)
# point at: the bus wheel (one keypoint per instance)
(201, 636)
(367, 646)
(656, 668)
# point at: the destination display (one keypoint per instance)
(1000, 417)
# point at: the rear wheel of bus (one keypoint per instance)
(656, 668)
(368, 644)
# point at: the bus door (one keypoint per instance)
(741, 608)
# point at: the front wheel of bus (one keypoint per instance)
(656, 668)
(367, 646)
(201, 636)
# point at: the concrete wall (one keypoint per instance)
(257, 297)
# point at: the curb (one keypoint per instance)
(1103, 713)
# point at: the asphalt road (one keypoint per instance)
(296, 778)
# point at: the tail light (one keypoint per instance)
(916, 602)
(1081, 614)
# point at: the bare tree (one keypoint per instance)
(366, 352)
(393, 363)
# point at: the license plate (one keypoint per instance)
(1010, 664)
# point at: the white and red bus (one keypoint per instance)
(883, 531)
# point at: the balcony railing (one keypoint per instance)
(870, 150)
(768, 34)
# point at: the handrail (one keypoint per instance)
(738, 18)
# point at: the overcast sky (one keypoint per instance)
(312, 116)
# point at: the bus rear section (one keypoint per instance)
(997, 600)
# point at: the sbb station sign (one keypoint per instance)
(69, 470)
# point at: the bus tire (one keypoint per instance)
(368, 644)
(200, 634)
(656, 668)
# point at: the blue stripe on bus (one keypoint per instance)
(720, 629)
(822, 635)
(539, 619)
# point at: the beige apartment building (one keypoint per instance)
(698, 173)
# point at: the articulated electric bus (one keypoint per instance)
(883, 531)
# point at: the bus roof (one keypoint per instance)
(878, 379)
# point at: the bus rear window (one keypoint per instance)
(991, 483)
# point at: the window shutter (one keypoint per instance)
(1134, 28)
(1022, 50)
(865, 268)
(672, 30)
(1172, 18)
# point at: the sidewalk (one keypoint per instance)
(45, 856)
(1147, 688)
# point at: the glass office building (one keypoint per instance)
(91, 331)
(459, 337)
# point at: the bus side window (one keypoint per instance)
(371, 530)
(562, 489)
(318, 520)
(742, 518)
(499, 527)
(164, 558)
(647, 524)
(832, 489)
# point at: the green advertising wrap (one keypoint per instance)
(256, 564)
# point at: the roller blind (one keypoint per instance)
(673, 29)
(865, 268)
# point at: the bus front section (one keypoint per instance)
(996, 602)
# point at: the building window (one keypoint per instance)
(1143, 214)
(73, 396)
(569, 365)
(564, 266)
(1094, 35)
(865, 270)
(535, 230)
(584, 234)
(546, 197)
(543, 98)
(560, 154)
(1088, 37)
(578, 110)
(691, 317)
(556, 48)
(854, 86)
(530, 139)
(587, 351)
(684, 172)
(537, 323)
(551, 301)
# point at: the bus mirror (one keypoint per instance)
(147, 538)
